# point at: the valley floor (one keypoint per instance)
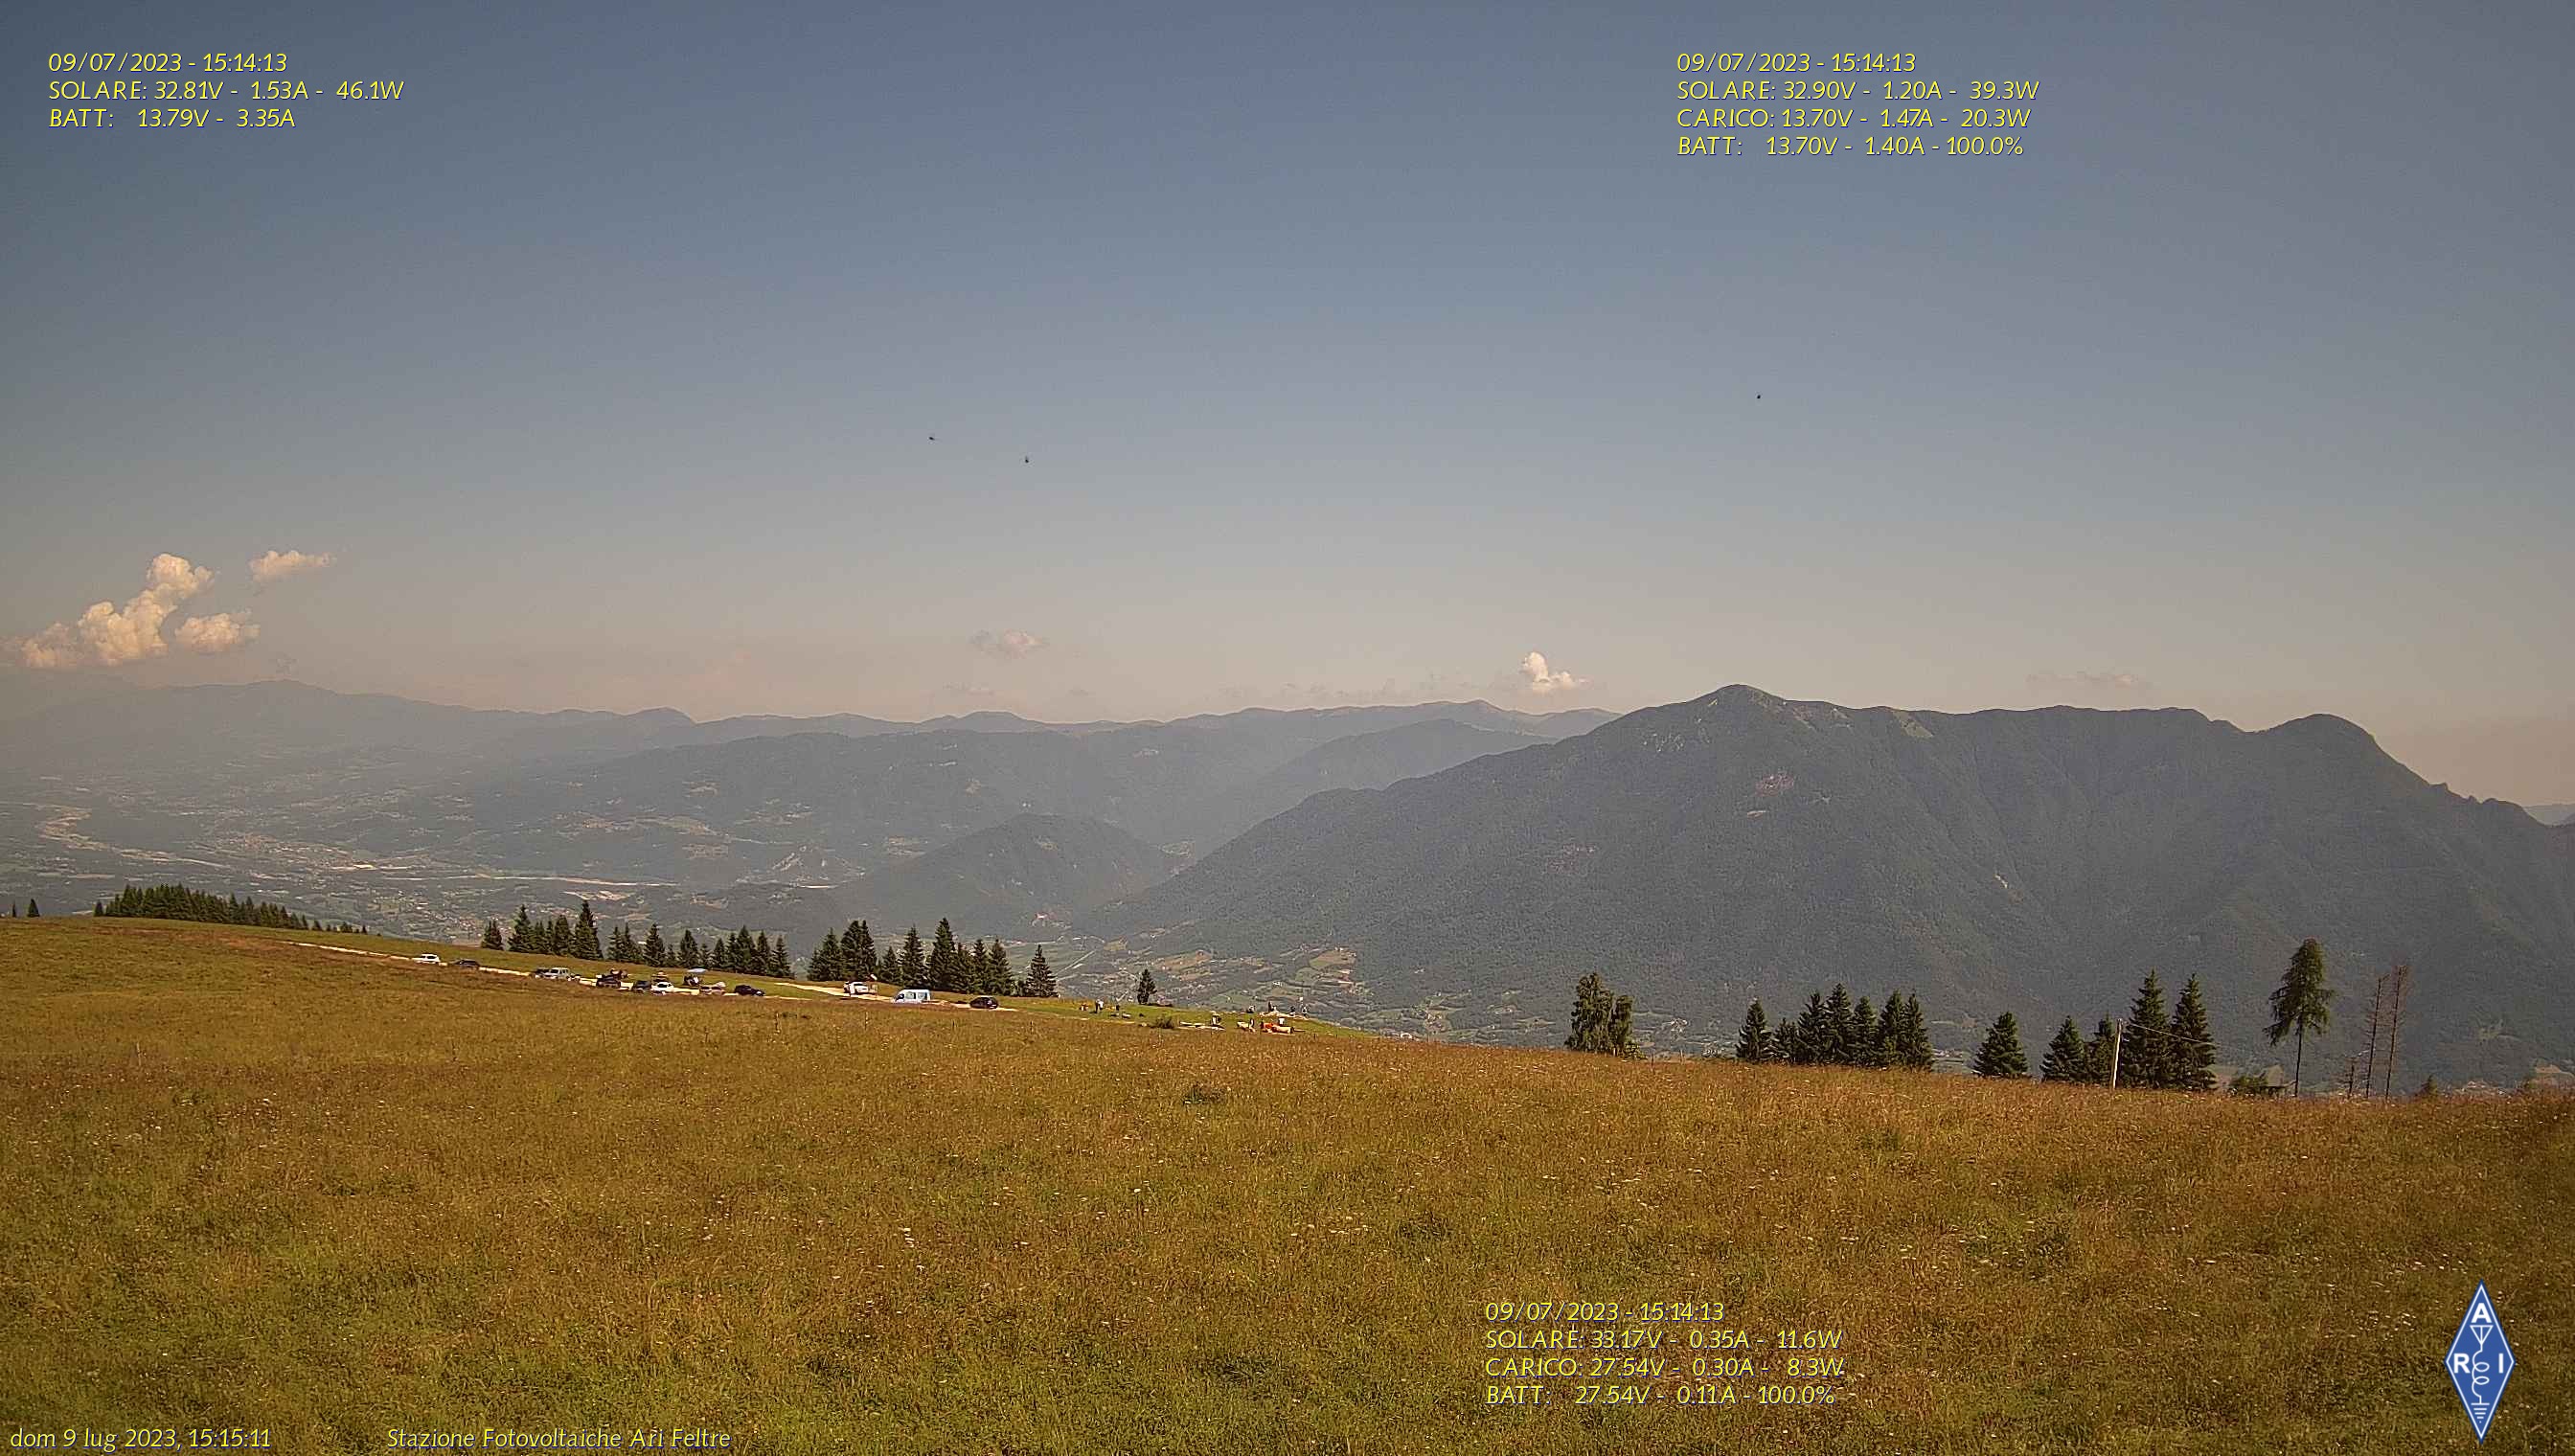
(253, 1183)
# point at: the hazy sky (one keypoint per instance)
(1355, 357)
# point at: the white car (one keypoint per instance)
(912, 996)
(427, 960)
(861, 988)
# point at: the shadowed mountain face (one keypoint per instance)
(2553, 813)
(1708, 852)
(1016, 881)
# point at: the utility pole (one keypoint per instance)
(2118, 1034)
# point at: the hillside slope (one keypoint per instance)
(1737, 845)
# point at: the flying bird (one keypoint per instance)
(1024, 460)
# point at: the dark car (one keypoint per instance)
(749, 990)
(983, 1004)
(469, 965)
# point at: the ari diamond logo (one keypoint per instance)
(2481, 1362)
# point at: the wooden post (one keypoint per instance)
(2116, 1037)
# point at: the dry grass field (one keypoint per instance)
(254, 1184)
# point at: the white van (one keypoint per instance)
(912, 996)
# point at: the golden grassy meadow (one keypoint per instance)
(253, 1184)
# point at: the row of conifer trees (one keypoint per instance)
(2156, 1050)
(942, 964)
(1834, 1031)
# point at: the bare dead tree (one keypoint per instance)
(2377, 1025)
(2398, 980)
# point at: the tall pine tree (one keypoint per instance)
(913, 966)
(1810, 1034)
(858, 951)
(997, 966)
(1145, 989)
(492, 936)
(657, 952)
(2146, 1058)
(2194, 1052)
(1040, 975)
(2302, 1003)
(1837, 1047)
(2000, 1055)
(1866, 1049)
(1753, 1043)
(691, 957)
(1603, 1023)
(585, 935)
(2067, 1060)
(946, 975)
(826, 964)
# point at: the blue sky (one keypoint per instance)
(1355, 357)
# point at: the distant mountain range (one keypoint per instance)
(390, 810)
(1739, 845)
(1443, 868)
(2552, 814)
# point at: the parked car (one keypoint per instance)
(861, 988)
(611, 980)
(983, 1004)
(912, 996)
(426, 960)
(748, 989)
(662, 983)
(663, 988)
(469, 965)
(691, 979)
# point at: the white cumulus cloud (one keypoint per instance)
(109, 636)
(276, 566)
(1538, 677)
(1009, 645)
(220, 632)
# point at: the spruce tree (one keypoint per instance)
(1144, 987)
(2194, 1052)
(2302, 1003)
(2146, 1058)
(33, 913)
(1040, 975)
(2096, 1052)
(858, 951)
(1909, 1045)
(657, 952)
(826, 964)
(690, 956)
(2000, 1055)
(997, 965)
(2067, 1060)
(977, 970)
(914, 965)
(1836, 1051)
(491, 936)
(521, 933)
(1864, 1049)
(1753, 1043)
(945, 972)
(585, 935)
(559, 937)
(781, 962)
(1811, 1035)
